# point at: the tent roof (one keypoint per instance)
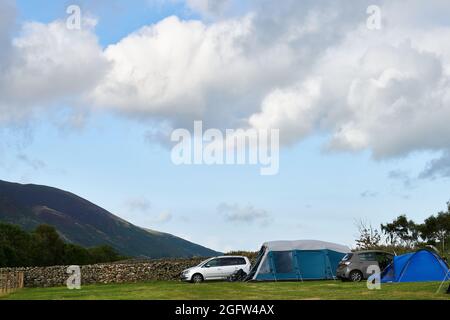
(305, 245)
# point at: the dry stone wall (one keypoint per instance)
(127, 271)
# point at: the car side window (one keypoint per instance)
(228, 261)
(222, 262)
(237, 261)
(212, 263)
(367, 256)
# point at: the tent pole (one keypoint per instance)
(447, 277)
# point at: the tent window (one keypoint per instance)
(283, 262)
(265, 266)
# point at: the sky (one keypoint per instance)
(362, 112)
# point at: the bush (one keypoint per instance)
(44, 247)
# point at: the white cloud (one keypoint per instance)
(305, 67)
(49, 64)
(368, 90)
(208, 7)
(186, 70)
(388, 93)
(292, 109)
(7, 22)
(243, 214)
(392, 103)
(138, 204)
(163, 217)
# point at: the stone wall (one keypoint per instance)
(127, 271)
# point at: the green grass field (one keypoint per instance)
(315, 290)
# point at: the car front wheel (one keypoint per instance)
(356, 276)
(197, 278)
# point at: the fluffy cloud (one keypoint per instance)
(218, 72)
(186, 70)
(391, 99)
(386, 91)
(304, 67)
(48, 64)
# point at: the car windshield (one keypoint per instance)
(347, 257)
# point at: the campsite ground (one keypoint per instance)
(168, 290)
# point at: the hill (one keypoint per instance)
(82, 222)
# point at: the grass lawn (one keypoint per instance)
(166, 290)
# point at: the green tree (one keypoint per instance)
(75, 254)
(44, 247)
(15, 246)
(436, 229)
(49, 248)
(401, 232)
(102, 254)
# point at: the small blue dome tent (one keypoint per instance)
(297, 260)
(419, 266)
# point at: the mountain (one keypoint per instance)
(82, 222)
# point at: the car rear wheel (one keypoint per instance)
(356, 276)
(197, 278)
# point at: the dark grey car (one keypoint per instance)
(354, 265)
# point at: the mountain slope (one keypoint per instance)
(82, 222)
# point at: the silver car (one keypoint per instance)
(218, 268)
(354, 265)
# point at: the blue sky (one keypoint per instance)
(117, 18)
(319, 192)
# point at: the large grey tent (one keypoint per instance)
(297, 260)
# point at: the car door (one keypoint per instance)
(367, 259)
(384, 259)
(241, 263)
(229, 266)
(212, 269)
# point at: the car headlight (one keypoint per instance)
(347, 263)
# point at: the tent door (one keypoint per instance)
(284, 265)
(312, 264)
